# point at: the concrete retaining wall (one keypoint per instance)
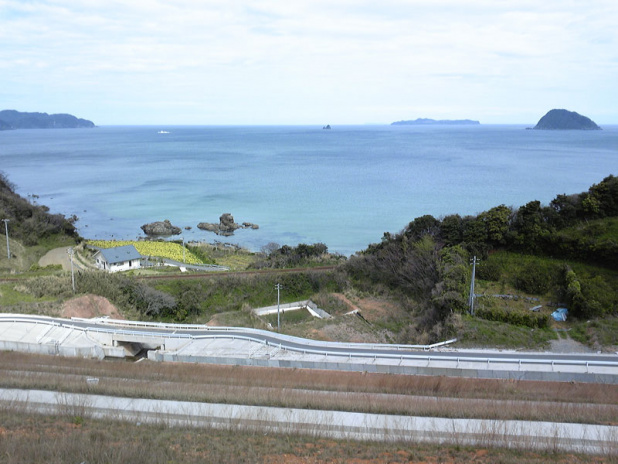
(389, 369)
(54, 350)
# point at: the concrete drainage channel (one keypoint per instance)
(581, 438)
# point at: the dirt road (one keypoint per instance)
(58, 256)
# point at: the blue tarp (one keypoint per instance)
(560, 314)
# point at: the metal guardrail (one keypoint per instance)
(325, 352)
(166, 326)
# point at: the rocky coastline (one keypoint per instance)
(225, 227)
(161, 228)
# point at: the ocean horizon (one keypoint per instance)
(343, 187)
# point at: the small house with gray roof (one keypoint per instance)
(122, 258)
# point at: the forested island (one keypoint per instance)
(565, 120)
(12, 119)
(436, 122)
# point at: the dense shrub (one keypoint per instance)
(588, 296)
(535, 278)
(489, 270)
(232, 292)
(49, 286)
(29, 222)
(302, 255)
(520, 318)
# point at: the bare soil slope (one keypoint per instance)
(88, 306)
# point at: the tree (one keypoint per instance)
(270, 248)
(567, 208)
(530, 227)
(602, 198)
(451, 229)
(497, 224)
(424, 225)
(474, 230)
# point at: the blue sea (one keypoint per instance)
(344, 187)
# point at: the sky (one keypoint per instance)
(265, 62)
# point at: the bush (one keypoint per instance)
(534, 278)
(588, 296)
(520, 318)
(489, 270)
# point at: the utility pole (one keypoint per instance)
(70, 252)
(471, 300)
(6, 230)
(278, 287)
(183, 250)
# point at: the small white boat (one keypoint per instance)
(163, 132)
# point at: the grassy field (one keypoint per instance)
(75, 438)
(65, 439)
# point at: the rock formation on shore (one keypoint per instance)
(226, 226)
(564, 119)
(161, 228)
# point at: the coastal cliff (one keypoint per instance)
(564, 119)
(12, 119)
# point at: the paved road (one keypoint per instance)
(332, 348)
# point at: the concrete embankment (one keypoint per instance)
(250, 347)
(582, 438)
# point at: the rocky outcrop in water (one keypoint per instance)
(161, 228)
(564, 119)
(226, 226)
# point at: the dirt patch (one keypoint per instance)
(568, 345)
(89, 306)
(57, 256)
(372, 309)
(214, 322)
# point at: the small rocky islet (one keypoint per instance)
(225, 227)
(559, 119)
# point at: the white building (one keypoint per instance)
(122, 258)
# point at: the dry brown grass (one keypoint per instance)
(313, 389)
(26, 438)
(72, 437)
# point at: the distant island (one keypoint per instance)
(565, 120)
(435, 122)
(12, 119)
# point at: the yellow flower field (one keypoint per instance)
(155, 249)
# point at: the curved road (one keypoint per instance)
(330, 348)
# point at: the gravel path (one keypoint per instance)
(57, 256)
(568, 345)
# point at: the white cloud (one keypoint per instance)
(276, 62)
